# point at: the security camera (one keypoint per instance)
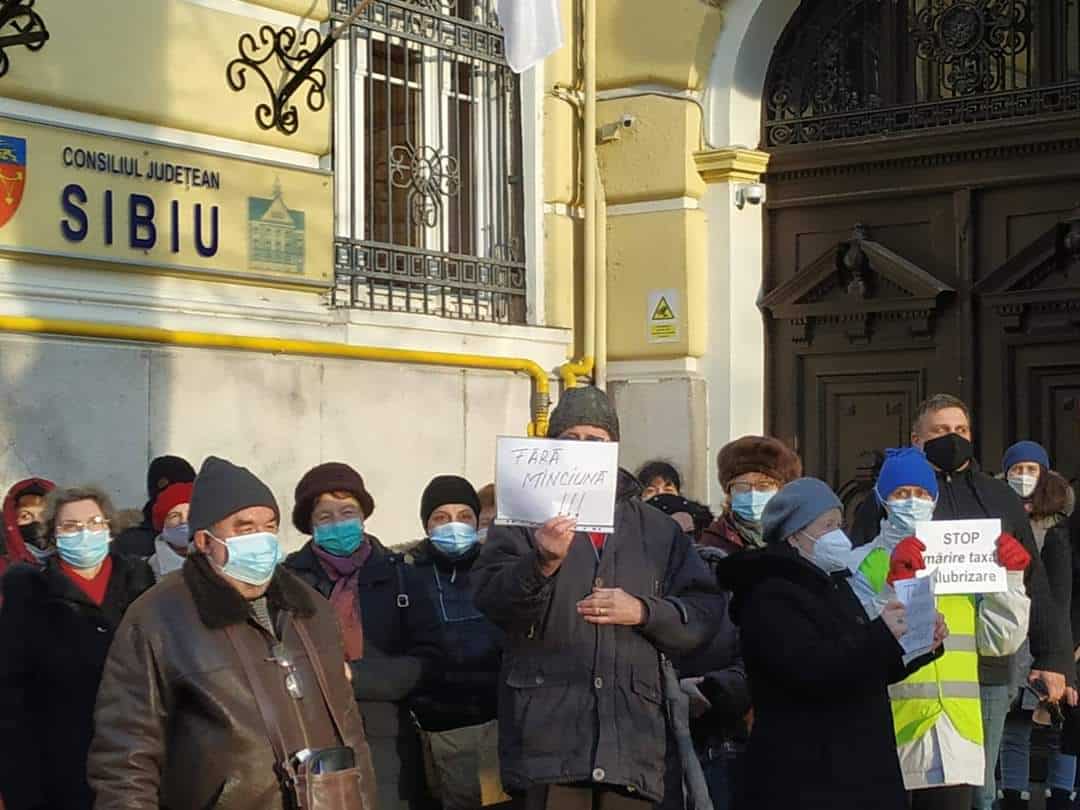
(628, 121)
(749, 193)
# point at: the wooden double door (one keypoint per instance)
(900, 267)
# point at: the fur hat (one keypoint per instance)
(332, 476)
(759, 454)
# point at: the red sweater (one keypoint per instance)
(93, 588)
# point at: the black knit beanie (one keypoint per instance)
(165, 471)
(447, 489)
(587, 405)
(330, 477)
(223, 489)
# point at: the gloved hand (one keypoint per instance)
(1012, 554)
(906, 560)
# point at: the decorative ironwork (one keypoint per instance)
(429, 177)
(20, 24)
(973, 41)
(292, 53)
(859, 68)
(429, 147)
(1038, 102)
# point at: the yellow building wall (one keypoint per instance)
(653, 158)
(648, 252)
(305, 9)
(645, 42)
(159, 62)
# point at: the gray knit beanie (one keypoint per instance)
(795, 507)
(223, 489)
(587, 405)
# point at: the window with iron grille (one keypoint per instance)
(428, 163)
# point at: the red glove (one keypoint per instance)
(1012, 554)
(906, 560)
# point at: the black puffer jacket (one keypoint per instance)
(974, 495)
(463, 644)
(387, 675)
(819, 673)
(578, 702)
(53, 644)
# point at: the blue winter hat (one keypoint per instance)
(905, 467)
(795, 507)
(1025, 451)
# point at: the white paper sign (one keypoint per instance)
(538, 479)
(916, 595)
(961, 555)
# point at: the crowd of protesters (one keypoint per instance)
(750, 660)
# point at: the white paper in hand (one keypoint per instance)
(539, 479)
(917, 597)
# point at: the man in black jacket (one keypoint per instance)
(942, 429)
(587, 617)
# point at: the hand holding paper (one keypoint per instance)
(907, 559)
(553, 541)
(1012, 554)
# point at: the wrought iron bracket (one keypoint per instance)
(20, 25)
(297, 55)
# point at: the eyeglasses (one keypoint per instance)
(94, 524)
(743, 488)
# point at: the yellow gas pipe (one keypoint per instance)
(541, 399)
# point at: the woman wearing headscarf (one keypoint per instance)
(937, 713)
(365, 583)
(1048, 501)
(751, 470)
(456, 707)
(819, 668)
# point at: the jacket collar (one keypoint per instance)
(219, 605)
(119, 593)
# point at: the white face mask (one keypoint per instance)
(831, 552)
(1024, 485)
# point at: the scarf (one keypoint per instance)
(749, 531)
(345, 598)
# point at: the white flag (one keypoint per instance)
(533, 31)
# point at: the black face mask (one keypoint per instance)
(33, 534)
(949, 452)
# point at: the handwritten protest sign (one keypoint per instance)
(961, 555)
(538, 479)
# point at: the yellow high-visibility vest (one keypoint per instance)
(948, 685)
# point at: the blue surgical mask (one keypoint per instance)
(84, 549)
(252, 557)
(177, 536)
(454, 539)
(340, 539)
(831, 552)
(904, 514)
(750, 506)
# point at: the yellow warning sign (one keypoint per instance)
(663, 311)
(663, 316)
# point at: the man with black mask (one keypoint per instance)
(942, 430)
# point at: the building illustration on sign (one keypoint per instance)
(12, 176)
(275, 234)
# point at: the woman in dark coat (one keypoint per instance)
(366, 584)
(819, 669)
(1048, 501)
(55, 630)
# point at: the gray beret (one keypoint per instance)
(795, 507)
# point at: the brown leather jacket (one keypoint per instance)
(177, 725)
